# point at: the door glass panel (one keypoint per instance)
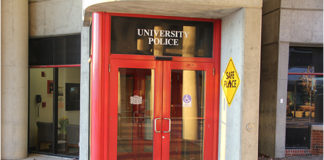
(135, 114)
(187, 114)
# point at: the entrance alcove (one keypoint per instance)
(240, 40)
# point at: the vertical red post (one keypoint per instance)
(217, 65)
(99, 86)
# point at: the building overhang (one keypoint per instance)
(213, 9)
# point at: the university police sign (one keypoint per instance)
(162, 37)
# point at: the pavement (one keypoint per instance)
(45, 157)
(296, 158)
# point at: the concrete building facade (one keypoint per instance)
(238, 20)
(20, 21)
(14, 73)
(285, 24)
(33, 92)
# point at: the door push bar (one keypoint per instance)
(156, 131)
(169, 125)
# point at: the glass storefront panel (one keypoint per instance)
(304, 108)
(304, 95)
(304, 91)
(41, 125)
(161, 37)
(54, 110)
(68, 111)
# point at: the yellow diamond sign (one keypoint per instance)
(230, 81)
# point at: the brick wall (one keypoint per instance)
(298, 152)
(317, 142)
(316, 146)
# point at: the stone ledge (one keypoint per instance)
(302, 4)
(317, 127)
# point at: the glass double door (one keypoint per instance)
(160, 110)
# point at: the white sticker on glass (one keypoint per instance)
(136, 99)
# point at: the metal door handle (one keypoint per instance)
(155, 130)
(169, 125)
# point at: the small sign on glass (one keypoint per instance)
(136, 99)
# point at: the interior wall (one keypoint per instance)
(68, 75)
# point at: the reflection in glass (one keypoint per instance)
(187, 115)
(304, 108)
(303, 92)
(304, 95)
(135, 114)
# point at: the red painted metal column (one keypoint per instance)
(217, 65)
(99, 86)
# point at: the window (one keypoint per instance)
(147, 36)
(59, 50)
(54, 118)
(304, 96)
(54, 95)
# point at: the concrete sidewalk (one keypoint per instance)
(45, 157)
(296, 158)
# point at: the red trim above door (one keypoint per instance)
(55, 66)
(312, 74)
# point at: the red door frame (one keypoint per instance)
(115, 65)
(168, 66)
(162, 90)
(100, 117)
